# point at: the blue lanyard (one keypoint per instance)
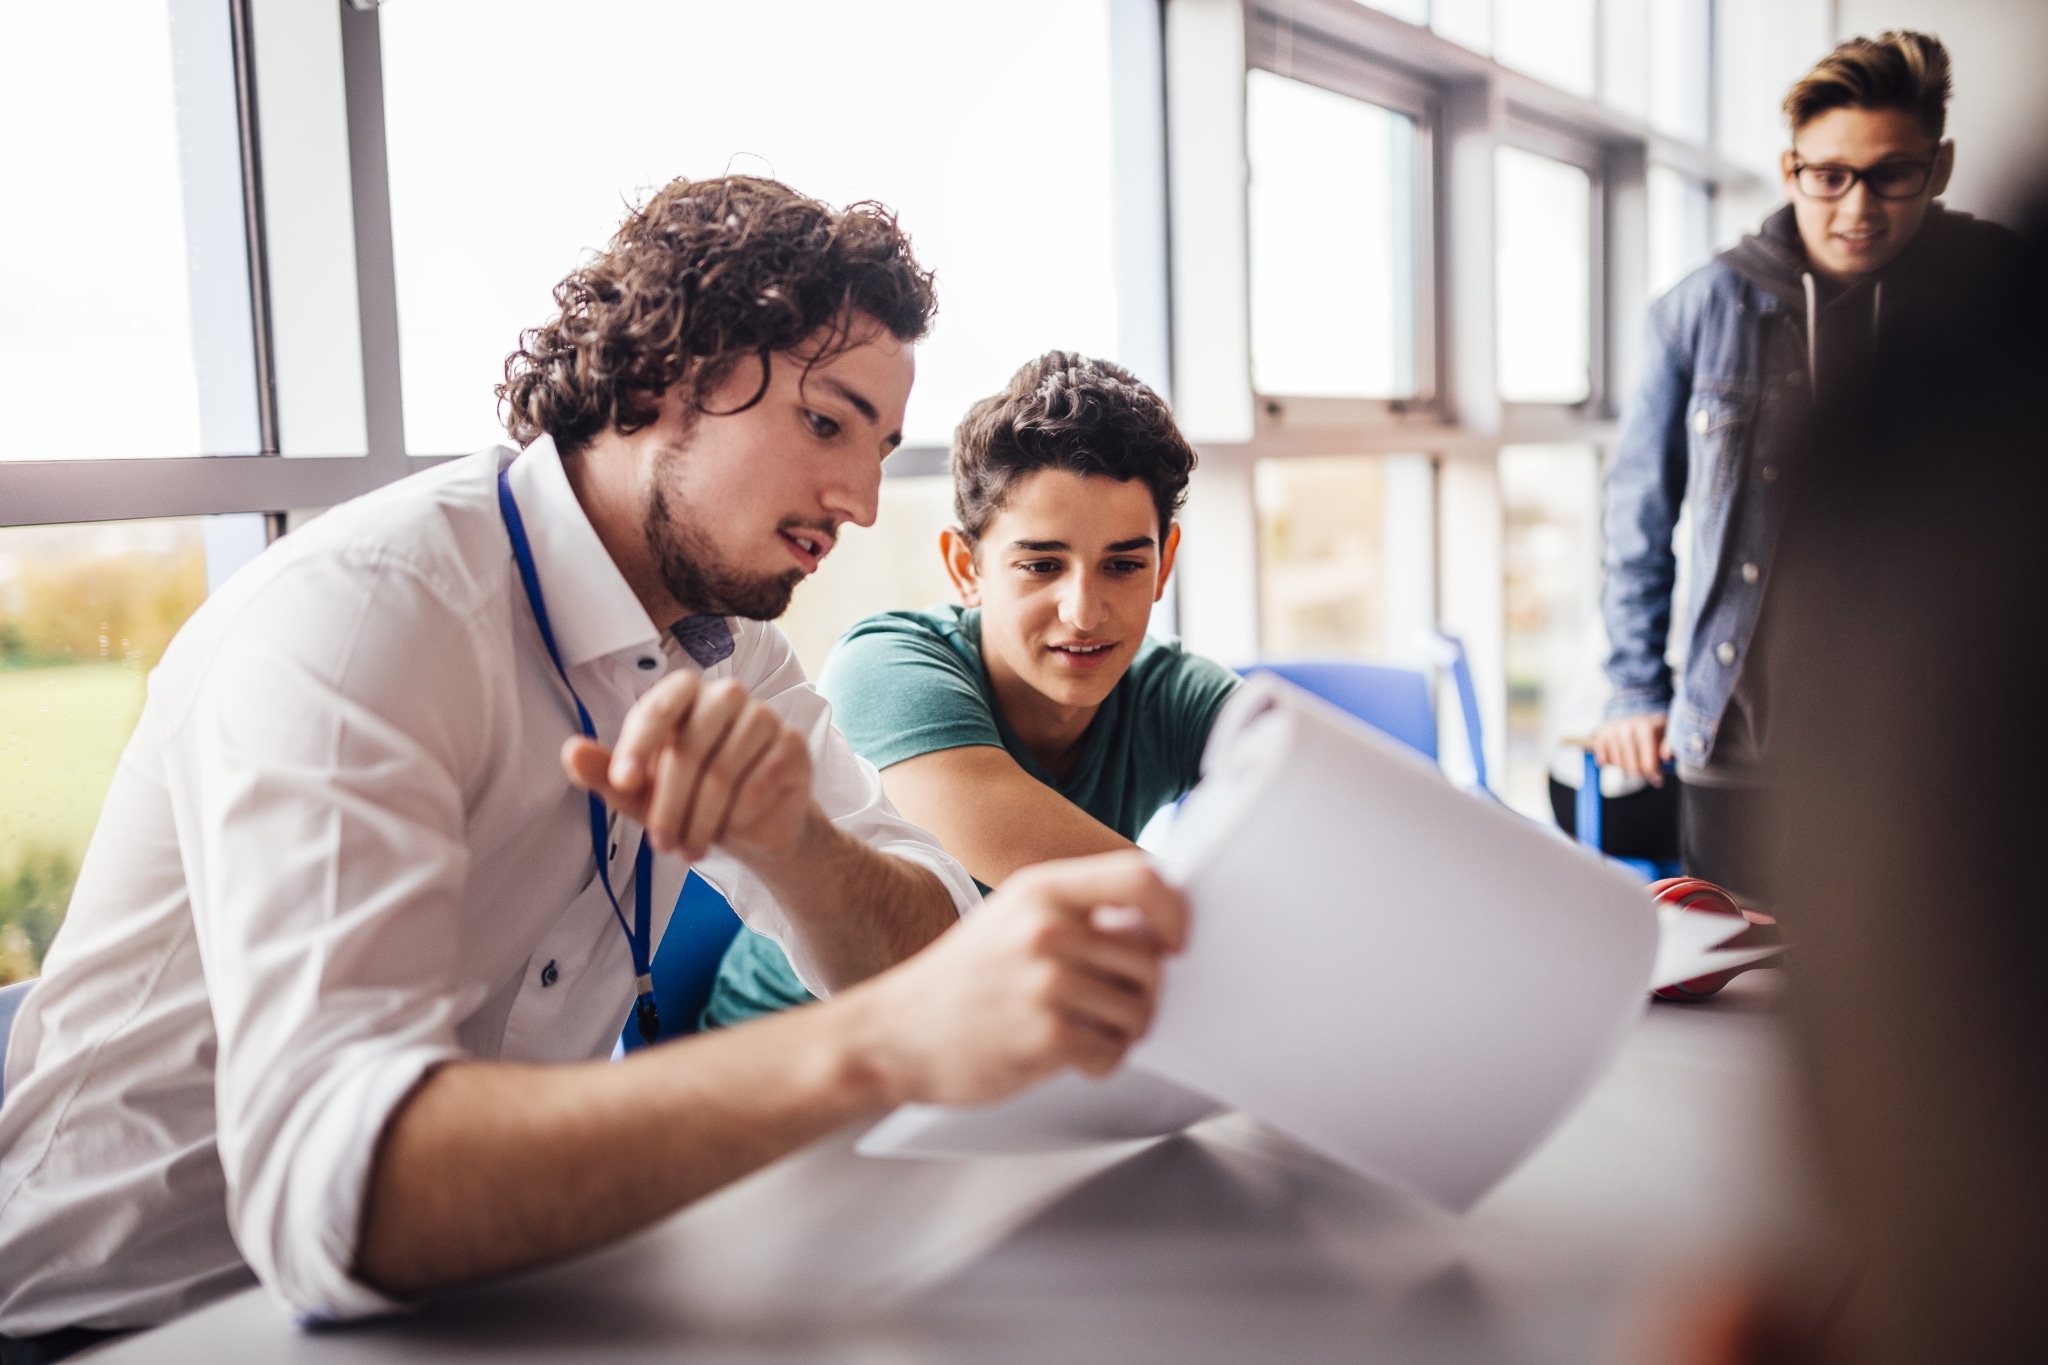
(639, 935)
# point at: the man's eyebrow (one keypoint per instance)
(1136, 543)
(860, 404)
(1039, 546)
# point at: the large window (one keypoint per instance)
(1347, 554)
(1332, 213)
(85, 612)
(519, 130)
(122, 257)
(1550, 495)
(1543, 223)
(1680, 227)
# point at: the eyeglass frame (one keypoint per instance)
(1862, 177)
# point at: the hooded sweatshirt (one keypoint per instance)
(1951, 258)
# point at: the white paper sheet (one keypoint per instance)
(1407, 977)
(1689, 946)
(1410, 978)
(1067, 1111)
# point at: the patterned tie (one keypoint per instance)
(708, 639)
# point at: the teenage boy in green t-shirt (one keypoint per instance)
(1037, 719)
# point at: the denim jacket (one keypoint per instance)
(1729, 370)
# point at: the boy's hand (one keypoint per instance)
(1635, 744)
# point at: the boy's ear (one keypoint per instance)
(1168, 548)
(958, 553)
(1944, 167)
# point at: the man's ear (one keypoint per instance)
(958, 553)
(1167, 551)
(1787, 159)
(1944, 167)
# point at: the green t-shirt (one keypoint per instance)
(906, 683)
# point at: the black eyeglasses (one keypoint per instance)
(1886, 180)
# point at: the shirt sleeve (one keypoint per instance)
(315, 790)
(1185, 693)
(902, 691)
(846, 786)
(1644, 491)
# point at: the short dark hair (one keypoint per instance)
(1898, 69)
(1071, 412)
(704, 275)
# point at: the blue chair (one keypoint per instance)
(1586, 817)
(685, 965)
(1394, 701)
(10, 1001)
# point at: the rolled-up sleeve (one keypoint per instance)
(846, 787)
(316, 792)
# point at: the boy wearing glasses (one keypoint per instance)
(1735, 355)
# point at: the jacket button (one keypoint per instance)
(1770, 473)
(1700, 421)
(1725, 652)
(1750, 573)
(548, 975)
(1795, 379)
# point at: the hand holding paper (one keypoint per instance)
(1418, 984)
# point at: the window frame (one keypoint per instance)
(40, 492)
(1542, 138)
(1271, 45)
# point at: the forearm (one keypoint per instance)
(860, 910)
(494, 1167)
(992, 815)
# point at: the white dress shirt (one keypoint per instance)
(339, 850)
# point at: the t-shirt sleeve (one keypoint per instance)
(1184, 694)
(899, 689)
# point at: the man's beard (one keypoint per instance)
(694, 576)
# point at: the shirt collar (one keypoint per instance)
(592, 608)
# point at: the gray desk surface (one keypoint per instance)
(1229, 1244)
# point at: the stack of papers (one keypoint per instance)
(1414, 981)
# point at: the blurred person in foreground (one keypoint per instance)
(1912, 634)
(332, 1007)
(1036, 718)
(1735, 355)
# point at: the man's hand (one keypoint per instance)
(1058, 968)
(1635, 744)
(700, 764)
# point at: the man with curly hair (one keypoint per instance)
(1036, 719)
(375, 886)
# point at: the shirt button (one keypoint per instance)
(1725, 652)
(1795, 379)
(1770, 473)
(548, 975)
(646, 664)
(1698, 743)
(1700, 421)
(1750, 573)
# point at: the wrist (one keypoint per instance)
(870, 1062)
(783, 864)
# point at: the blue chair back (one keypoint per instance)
(1586, 812)
(1394, 701)
(10, 1001)
(686, 961)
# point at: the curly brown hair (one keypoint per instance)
(1071, 412)
(1898, 69)
(702, 276)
